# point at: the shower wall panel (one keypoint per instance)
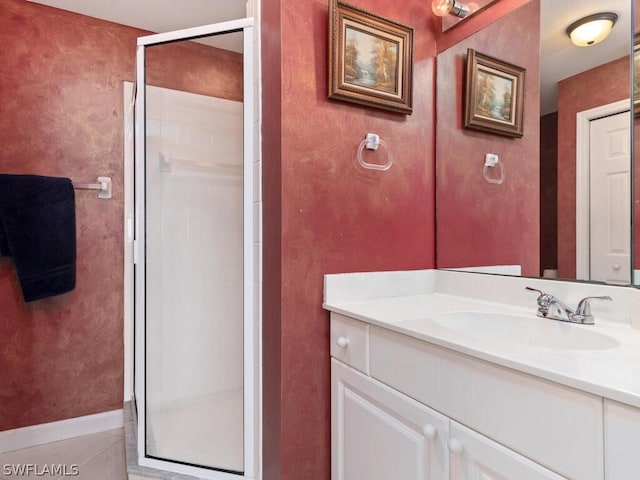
(194, 261)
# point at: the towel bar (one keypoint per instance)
(103, 186)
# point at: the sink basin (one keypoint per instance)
(525, 330)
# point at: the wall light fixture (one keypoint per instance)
(591, 29)
(442, 8)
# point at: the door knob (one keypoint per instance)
(342, 342)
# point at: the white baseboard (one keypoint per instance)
(52, 432)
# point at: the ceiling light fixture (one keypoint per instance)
(591, 29)
(442, 8)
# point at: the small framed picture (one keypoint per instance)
(494, 95)
(370, 59)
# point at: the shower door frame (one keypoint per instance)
(250, 354)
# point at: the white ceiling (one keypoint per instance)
(156, 15)
(560, 59)
(161, 15)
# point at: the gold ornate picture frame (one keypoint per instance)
(494, 95)
(370, 59)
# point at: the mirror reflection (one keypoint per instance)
(564, 208)
(636, 147)
(454, 11)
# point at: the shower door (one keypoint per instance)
(194, 319)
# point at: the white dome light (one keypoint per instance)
(592, 29)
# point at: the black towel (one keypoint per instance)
(38, 229)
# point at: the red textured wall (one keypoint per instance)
(325, 214)
(480, 223)
(272, 257)
(195, 68)
(61, 86)
(549, 192)
(576, 94)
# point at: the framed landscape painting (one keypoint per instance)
(370, 59)
(494, 95)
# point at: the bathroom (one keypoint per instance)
(63, 112)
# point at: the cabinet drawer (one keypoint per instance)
(556, 426)
(349, 341)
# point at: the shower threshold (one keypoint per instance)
(135, 471)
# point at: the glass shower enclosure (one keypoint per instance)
(194, 251)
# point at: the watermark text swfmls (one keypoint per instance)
(46, 470)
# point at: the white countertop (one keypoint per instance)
(613, 373)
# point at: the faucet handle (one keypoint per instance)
(535, 290)
(544, 301)
(584, 307)
(583, 312)
(543, 297)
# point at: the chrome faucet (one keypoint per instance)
(552, 308)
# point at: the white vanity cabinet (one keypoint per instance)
(408, 415)
(379, 434)
(622, 441)
(349, 341)
(529, 400)
(556, 426)
(475, 457)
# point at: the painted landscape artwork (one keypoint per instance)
(494, 95)
(493, 98)
(370, 61)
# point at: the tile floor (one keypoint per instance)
(100, 456)
(209, 433)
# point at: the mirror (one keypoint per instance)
(636, 138)
(536, 223)
(451, 20)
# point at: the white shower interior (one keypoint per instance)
(194, 261)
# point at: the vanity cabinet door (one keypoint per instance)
(621, 441)
(380, 434)
(474, 457)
